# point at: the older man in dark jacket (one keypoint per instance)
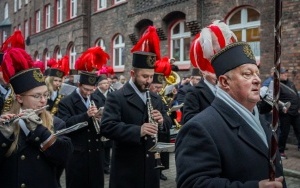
(227, 144)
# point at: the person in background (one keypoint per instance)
(102, 91)
(288, 93)
(209, 144)
(122, 79)
(194, 80)
(30, 151)
(71, 75)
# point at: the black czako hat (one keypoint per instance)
(143, 60)
(158, 78)
(27, 80)
(88, 78)
(55, 72)
(232, 56)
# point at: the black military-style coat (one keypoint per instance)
(85, 167)
(132, 163)
(182, 91)
(197, 100)
(29, 166)
(217, 148)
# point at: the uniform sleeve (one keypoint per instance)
(112, 126)
(65, 113)
(198, 163)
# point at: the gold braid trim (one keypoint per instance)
(54, 108)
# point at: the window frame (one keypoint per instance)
(26, 29)
(15, 5)
(4, 35)
(182, 35)
(59, 9)
(72, 55)
(73, 10)
(101, 43)
(19, 4)
(244, 26)
(47, 16)
(38, 21)
(6, 11)
(103, 3)
(119, 45)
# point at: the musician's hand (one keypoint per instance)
(6, 130)
(156, 115)
(31, 118)
(92, 111)
(271, 184)
(148, 129)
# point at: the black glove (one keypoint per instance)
(31, 118)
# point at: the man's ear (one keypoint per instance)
(132, 73)
(223, 82)
(19, 98)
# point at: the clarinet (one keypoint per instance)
(152, 121)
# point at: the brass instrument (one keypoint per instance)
(8, 102)
(285, 106)
(173, 79)
(95, 121)
(18, 116)
(54, 108)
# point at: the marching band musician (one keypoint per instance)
(227, 144)
(125, 121)
(30, 153)
(102, 91)
(54, 80)
(85, 167)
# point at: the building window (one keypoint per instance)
(26, 2)
(119, 1)
(38, 21)
(72, 58)
(73, 8)
(100, 43)
(57, 53)
(36, 56)
(20, 4)
(47, 16)
(180, 42)
(4, 36)
(118, 51)
(26, 29)
(46, 57)
(59, 8)
(5, 11)
(101, 4)
(245, 24)
(19, 27)
(15, 5)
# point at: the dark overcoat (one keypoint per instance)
(85, 168)
(217, 148)
(197, 100)
(28, 166)
(132, 163)
(182, 91)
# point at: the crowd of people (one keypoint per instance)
(223, 141)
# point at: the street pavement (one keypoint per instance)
(291, 170)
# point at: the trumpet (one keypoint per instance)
(95, 121)
(18, 116)
(284, 105)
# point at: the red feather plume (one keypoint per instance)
(148, 43)
(40, 65)
(92, 59)
(107, 70)
(14, 61)
(16, 40)
(51, 63)
(63, 65)
(163, 66)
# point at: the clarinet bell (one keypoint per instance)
(158, 161)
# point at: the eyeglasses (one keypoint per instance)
(39, 96)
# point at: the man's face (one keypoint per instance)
(142, 78)
(195, 80)
(156, 88)
(243, 84)
(103, 85)
(86, 90)
(56, 83)
(284, 76)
